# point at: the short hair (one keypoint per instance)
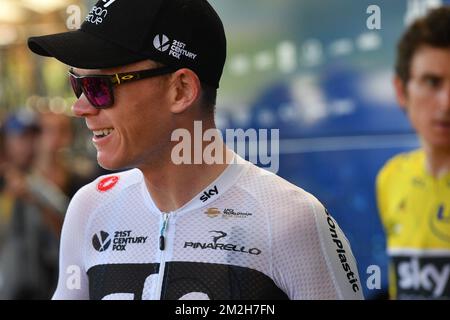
(208, 95)
(432, 30)
(208, 98)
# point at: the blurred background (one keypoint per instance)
(319, 71)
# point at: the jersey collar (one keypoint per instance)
(212, 192)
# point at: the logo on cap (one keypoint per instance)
(161, 42)
(99, 12)
(177, 48)
(110, 2)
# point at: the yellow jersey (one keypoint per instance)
(415, 211)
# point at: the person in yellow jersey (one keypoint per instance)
(413, 189)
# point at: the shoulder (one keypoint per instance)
(403, 164)
(105, 188)
(93, 196)
(276, 194)
(301, 229)
(289, 210)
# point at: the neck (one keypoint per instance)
(437, 160)
(172, 185)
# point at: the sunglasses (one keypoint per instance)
(98, 89)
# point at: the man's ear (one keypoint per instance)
(401, 92)
(186, 88)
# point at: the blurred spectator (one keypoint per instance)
(20, 255)
(36, 189)
(54, 157)
(413, 189)
(19, 134)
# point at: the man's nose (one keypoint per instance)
(82, 107)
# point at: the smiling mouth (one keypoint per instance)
(444, 124)
(103, 132)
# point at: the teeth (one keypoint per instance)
(103, 132)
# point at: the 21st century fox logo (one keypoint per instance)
(177, 50)
(102, 241)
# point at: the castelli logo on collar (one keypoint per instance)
(107, 183)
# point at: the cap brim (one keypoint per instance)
(82, 50)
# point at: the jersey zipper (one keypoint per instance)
(162, 240)
(162, 257)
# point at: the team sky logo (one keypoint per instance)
(226, 213)
(162, 43)
(216, 245)
(439, 222)
(422, 277)
(102, 241)
(209, 194)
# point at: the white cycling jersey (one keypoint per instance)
(249, 235)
